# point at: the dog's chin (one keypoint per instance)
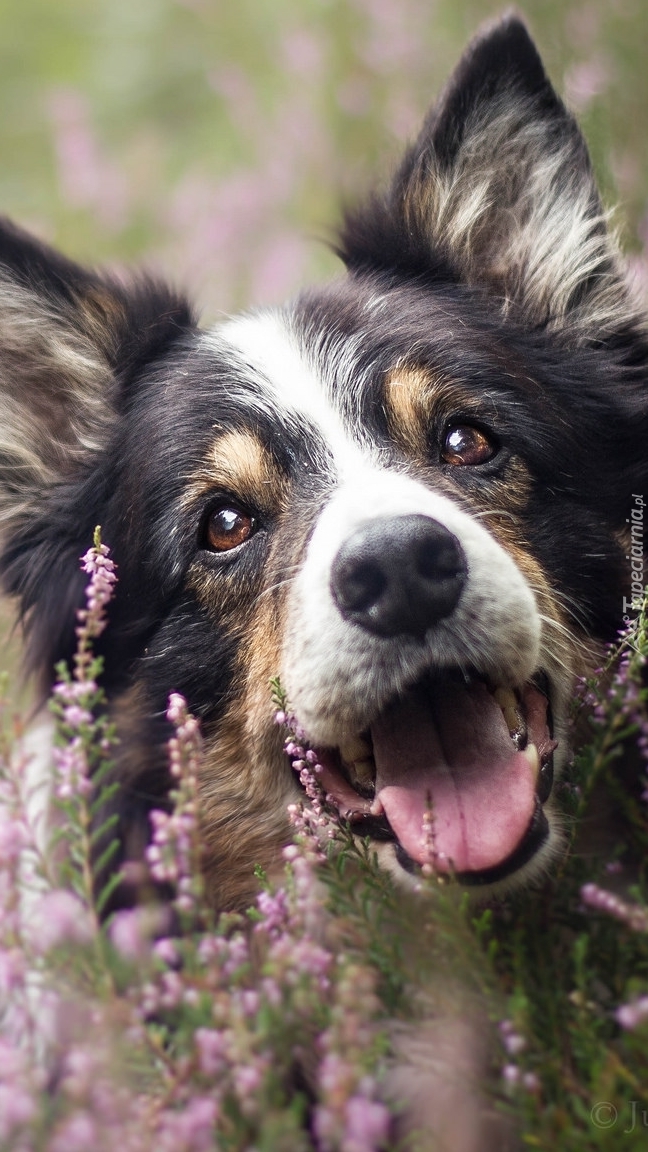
(454, 777)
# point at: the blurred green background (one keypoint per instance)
(214, 140)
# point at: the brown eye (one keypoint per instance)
(466, 445)
(227, 527)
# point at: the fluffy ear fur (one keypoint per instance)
(71, 345)
(498, 192)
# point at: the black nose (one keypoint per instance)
(398, 576)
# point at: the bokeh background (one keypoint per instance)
(214, 140)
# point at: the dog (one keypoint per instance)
(405, 493)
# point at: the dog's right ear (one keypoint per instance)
(72, 344)
(498, 193)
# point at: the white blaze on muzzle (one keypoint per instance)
(338, 673)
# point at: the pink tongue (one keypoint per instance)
(450, 752)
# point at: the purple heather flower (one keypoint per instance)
(17, 1108)
(80, 1069)
(132, 930)
(514, 1043)
(75, 716)
(103, 577)
(191, 1129)
(630, 1016)
(248, 1079)
(172, 853)
(71, 770)
(87, 177)
(13, 969)
(367, 1125)
(166, 950)
(78, 1134)
(633, 915)
(59, 917)
(173, 989)
(274, 910)
(511, 1038)
(73, 690)
(531, 1082)
(212, 1050)
(14, 837)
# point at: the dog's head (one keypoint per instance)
(406, 493)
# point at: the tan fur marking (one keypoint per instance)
(224, 596)
(245, 781)
(239, 463)
(510, 494)
(412, 396)
(569, 646)
(407, 401)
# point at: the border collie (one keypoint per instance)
(406, 493)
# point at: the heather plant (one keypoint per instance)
(575, 960)
(169, 1028)
(156, 1030)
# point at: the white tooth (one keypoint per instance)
(531, 753)
(376, 808)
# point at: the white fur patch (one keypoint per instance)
(338, 675)
(291, 384)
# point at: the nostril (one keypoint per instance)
(359, 585)
(436, 559)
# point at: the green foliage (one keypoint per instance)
(566, 967)
(217, 140)
(550, 970)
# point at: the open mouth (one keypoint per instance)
(455, 771)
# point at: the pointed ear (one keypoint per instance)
(71, 342)
(72, 346)
(498, 192)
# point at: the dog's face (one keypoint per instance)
(406, 494)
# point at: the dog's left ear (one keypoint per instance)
(498, 193)
(75, 346)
